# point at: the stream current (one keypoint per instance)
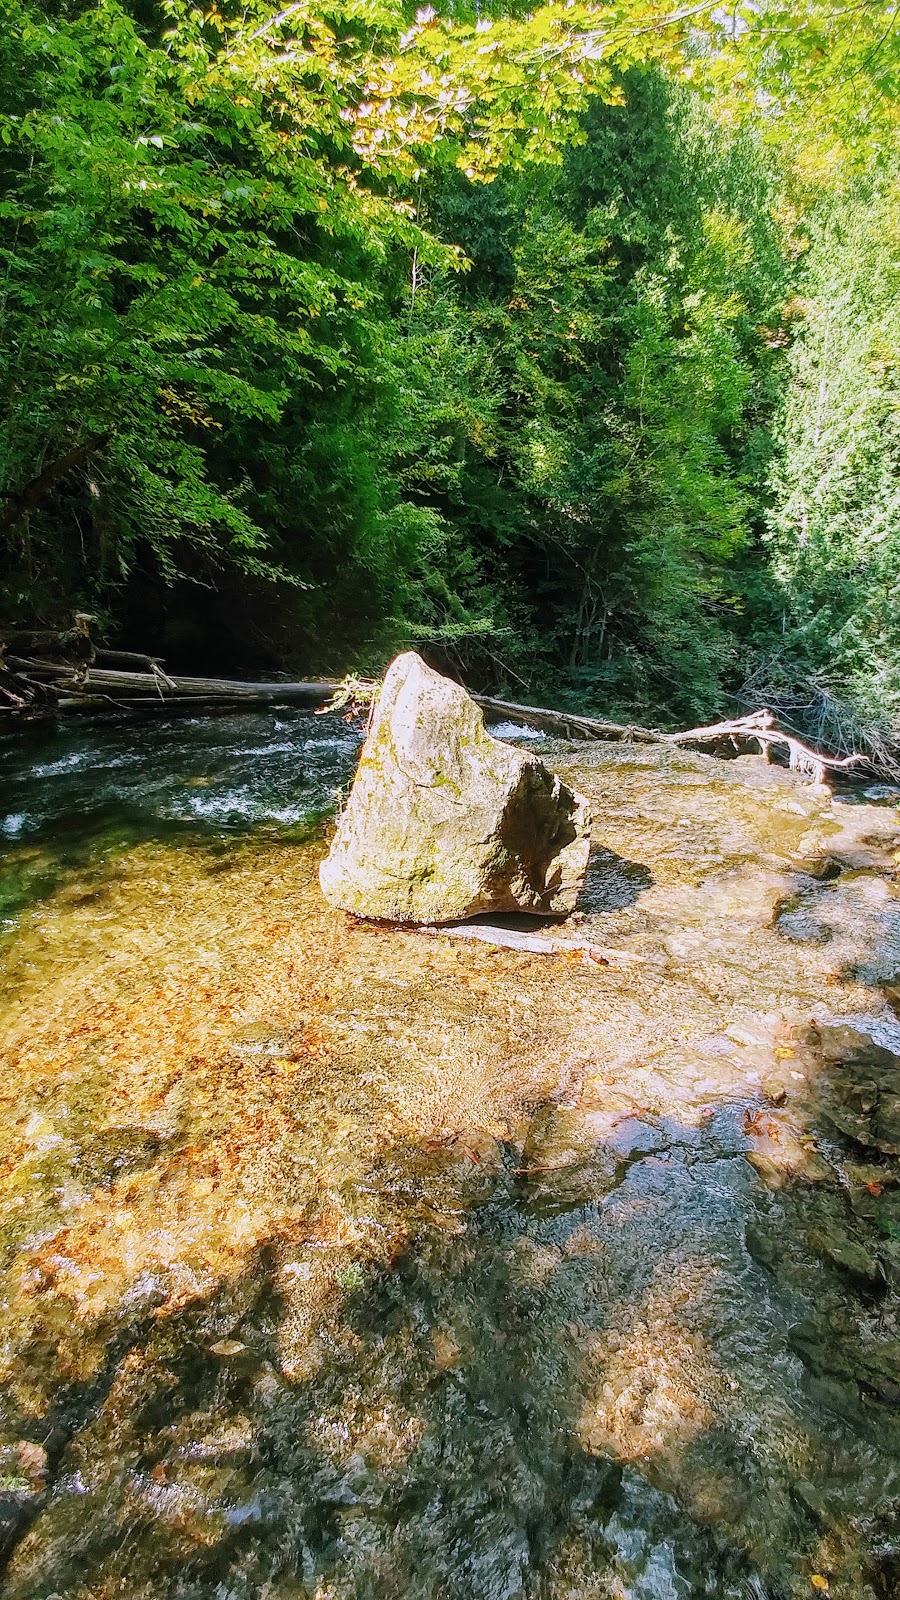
(348, 1263)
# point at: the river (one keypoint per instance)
(348, 1263)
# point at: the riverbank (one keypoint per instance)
(341, 1260)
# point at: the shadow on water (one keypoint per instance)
(434, 1450)
(854, 920)
(613, 1365)
(613, 1356)
(835, 1244)
(612, 883)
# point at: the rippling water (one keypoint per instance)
(347, 1264)
(72, 793)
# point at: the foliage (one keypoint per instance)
(590, 422)
(201, 232)
(822, 81)
(178, 262)
(835, 526)
(466, 329)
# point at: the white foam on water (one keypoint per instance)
(329, 743)
(282, 814)
(237, 803)
(76, 758)
(514, 730)
(268, 749)
(882, 791)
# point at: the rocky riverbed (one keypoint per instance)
(346, 1262)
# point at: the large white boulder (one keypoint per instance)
(443, 821)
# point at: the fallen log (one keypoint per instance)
(757, 732)
(20, 694)
(145, 705)
(30, 683)
(156, 684)
(568, 724)
(759, 728)
(126, 658)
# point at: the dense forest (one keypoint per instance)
(562, 344)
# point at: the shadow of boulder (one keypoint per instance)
(612, 882)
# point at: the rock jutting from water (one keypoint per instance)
(443, 821)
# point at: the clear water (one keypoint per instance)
(350, 1264)
(72, 795)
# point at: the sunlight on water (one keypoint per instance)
(344, 1262)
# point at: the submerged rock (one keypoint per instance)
(443, 821)
(113, 1152)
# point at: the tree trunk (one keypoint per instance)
(22, 501)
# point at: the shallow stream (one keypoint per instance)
(357, 1264)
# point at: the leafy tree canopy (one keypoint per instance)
(497, 329)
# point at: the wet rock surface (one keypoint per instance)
(341, 1262)
(444, 822)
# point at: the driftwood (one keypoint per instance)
(757, 732)
(19, 693)
(128, 659)
(760, 729)
(534, 943)
(567, 724)
(36, 685)
(145, 706)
